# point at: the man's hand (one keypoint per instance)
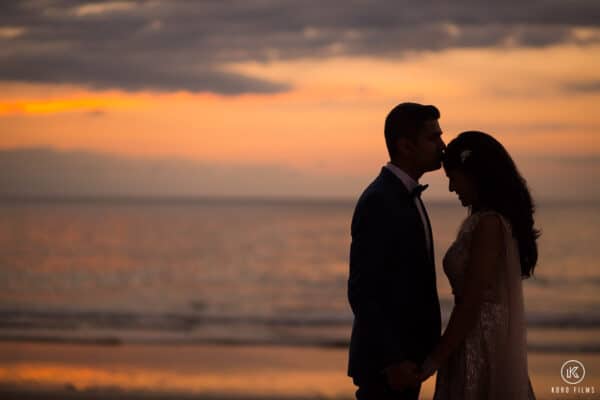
(403, 375)
(428, 368)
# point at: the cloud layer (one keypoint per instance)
(183, 45)
(41, 172)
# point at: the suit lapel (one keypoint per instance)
(431, 250)
(403, 192)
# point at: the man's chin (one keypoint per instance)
(463, 202)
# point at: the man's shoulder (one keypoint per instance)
(376, 191)
(382, 198)
(384, 186)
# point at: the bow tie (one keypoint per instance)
(416, 192)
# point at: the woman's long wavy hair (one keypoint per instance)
(499, 186)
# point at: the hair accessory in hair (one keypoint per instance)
(464, 155)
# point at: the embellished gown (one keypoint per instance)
(491, 363)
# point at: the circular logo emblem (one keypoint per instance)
(572, 372)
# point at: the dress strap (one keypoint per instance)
(471, 222)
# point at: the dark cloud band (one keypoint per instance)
(182, 45)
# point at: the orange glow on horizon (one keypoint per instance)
(333, 114)
(34, 107)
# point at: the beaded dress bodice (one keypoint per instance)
(479, 369)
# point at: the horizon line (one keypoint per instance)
(230, 199)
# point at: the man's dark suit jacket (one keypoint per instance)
(392, 287)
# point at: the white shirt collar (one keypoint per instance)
(406, 179)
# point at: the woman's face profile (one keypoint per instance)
(461, 184)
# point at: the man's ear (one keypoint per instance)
(404, 147)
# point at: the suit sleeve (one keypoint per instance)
(369, 270)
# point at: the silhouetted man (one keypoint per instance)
(392, 285)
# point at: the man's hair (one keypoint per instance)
(406, 120)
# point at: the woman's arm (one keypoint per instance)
(487, 246)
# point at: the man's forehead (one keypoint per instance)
(432, 126)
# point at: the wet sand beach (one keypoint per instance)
(73, 371)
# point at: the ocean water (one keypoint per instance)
(246, 272)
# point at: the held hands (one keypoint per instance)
(402, 375)
(408, 374)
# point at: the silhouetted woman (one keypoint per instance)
(482, 353)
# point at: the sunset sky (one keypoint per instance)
(287, 98)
